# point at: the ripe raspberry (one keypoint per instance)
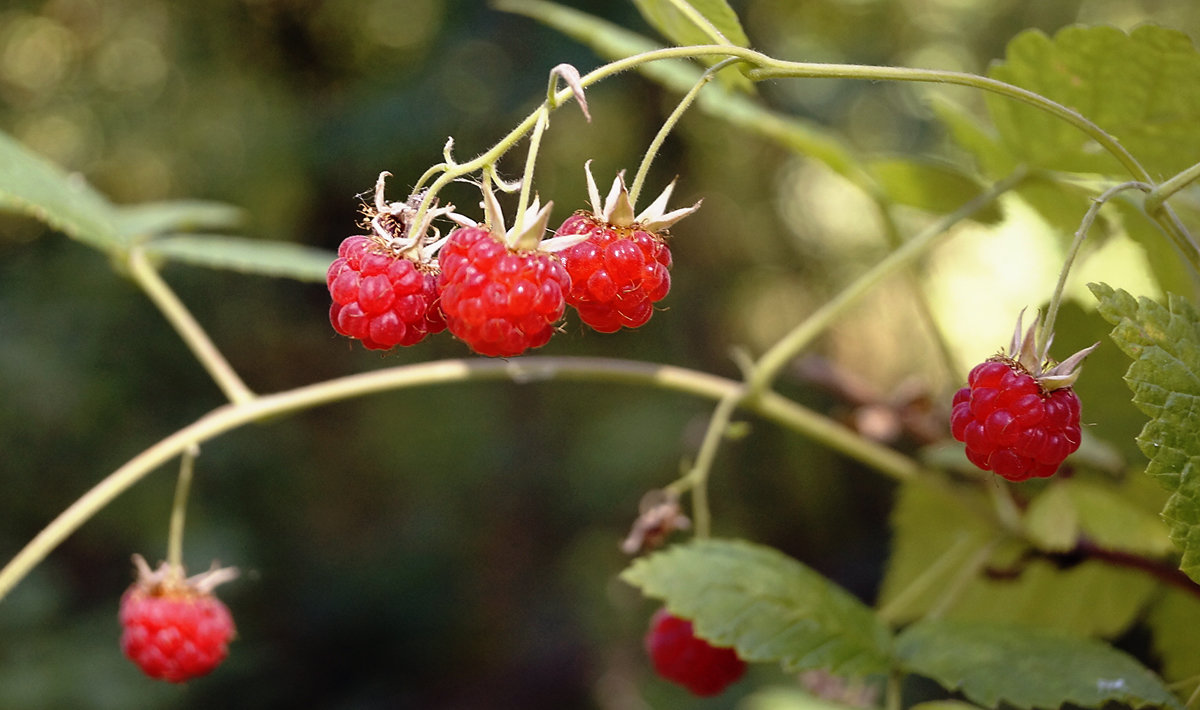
(174, 628)
(499, 301)
(622, 267)
(384, 286)
(1016, 417)
(502, 292)
(682, 658)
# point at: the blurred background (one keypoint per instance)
(456, 547)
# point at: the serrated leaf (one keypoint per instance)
(1027, 667)
(251, 256)
(1143, 88)
(676, 25)
(933, 186)
(139, 222)
(614, 42)
(767, 605)
(1173, 621)
(1165, 379)
(35, 187)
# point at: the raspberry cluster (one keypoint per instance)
(174, 629)
(680, 657)
(500, 292)
(1010, 425)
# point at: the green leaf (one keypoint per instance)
(1165, 379)
(614, 42)
(939, 530)
(706, 22)
(1114, 521)
(1051, 521)
(1143, 88)
(767, 605)
(1173, 621)
(32, 186)
(928, 185)
(251, 256)
(1167, 264)
(1027, 667)
(681, 29)
(969, 132)
(791, 698)
(138, 222)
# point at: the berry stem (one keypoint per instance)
(1046, 330)
(183, 486)
(669, 125)
(787, 348)
(186, 326)
(1158, 196)
(769, 405)
(535, 144)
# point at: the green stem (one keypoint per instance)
(186, 326)
(535, 144)
(696, 479)
(1164, 190)
(179, 507)
(787, 348)
(926, 579)
(669, 125)
(1046, 330)
(527, 369)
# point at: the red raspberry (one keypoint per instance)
(1011, 425)
(682, 658)
(622, 267)
(174, 628)
(384, 286)
(498, 300)
(380, 298)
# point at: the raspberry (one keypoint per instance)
(174, 628)
(622, 267)
(1019, 418)
(382, 299)
(499, 301)
(682, 658)
(384, 286)
(1010, 425)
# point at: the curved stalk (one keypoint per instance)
(186, 326)
(523, 370)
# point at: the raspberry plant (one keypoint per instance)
(1001, 589)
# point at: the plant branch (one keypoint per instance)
(527, 369)
(186, 326)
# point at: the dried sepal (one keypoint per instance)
(659, 515)
(1024, 353)
(618, 210)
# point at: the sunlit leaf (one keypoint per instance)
(681, 29)
(1143, 88)
(32, 186)
(251, 256)
(767, 605)
(1027, 667)
(1165, 378)
(937, 531)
